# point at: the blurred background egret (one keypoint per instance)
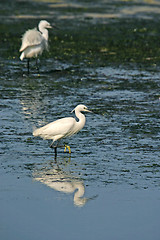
(34, 42)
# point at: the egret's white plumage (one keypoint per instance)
(64, 127)
(34, 42)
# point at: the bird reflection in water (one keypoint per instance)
(59, 180)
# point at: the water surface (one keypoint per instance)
(106, 56)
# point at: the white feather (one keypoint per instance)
(34, 42)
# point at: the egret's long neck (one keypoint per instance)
(78, 196)
(44, 32)
(80, 190)
(81, 117)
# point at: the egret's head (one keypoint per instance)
(81, 108)
(44, 24)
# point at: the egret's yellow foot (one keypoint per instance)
(69, 149)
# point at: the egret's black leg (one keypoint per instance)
(55, 158)
(28, 65)
(37, 65)
(55, 148)
(55, 151)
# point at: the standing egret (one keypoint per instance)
(34, 41)
(64, 127)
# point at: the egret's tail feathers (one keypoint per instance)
(22, 56)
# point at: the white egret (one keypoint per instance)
(34, 41)
(64, 127)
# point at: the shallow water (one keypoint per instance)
(109, 187)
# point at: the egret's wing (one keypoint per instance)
(30, 38)
(58, 129)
